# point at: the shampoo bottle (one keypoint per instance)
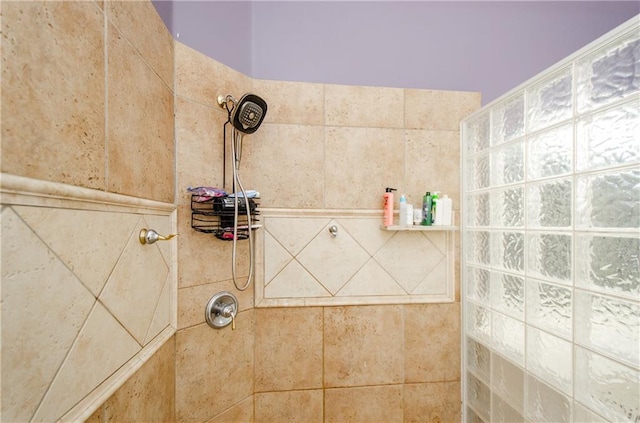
(388, 207)
(402, 218)
(426, 209)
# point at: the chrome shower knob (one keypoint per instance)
(221, 310)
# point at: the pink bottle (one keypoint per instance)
(388, 207)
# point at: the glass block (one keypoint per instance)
(508, 207)
(550, 153)
(550, 358)
(508, 250)
(478, 175)
(550, 101)
(609, 73)
(508, 337)
(478, 285)
(479, 322)
(477, 133)
(507, 120)
(507, 164)
(610, 200)
(478, 359)
(502, 412)
(549, 256)
(583, 415)
(479, 397)
(545, 404)
(507, 294)
(608, 387)
(550, 307)
(609, 263)
(479, 209)
(478, 247)
(507, 381)
(608, 325)
(549, 204)
(609, 138)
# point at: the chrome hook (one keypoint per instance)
(333, 230)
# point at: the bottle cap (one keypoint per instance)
(428, 193)
(390, 189)
(403, 199)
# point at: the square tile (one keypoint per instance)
(432, 402)
(203, 79)
(140, 133)
(440, 110)
(349, 105)
(288, 349)
(53, 92)
(300, 103)
(214, 368)
(289, 406)
(364, 405)
(432, 342)
(363, 345)
(359, 163)
(143, 27)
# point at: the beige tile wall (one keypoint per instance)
(312, 363)
(378, 362)
(86, 94)
(321, 146)
(214, 368)
(87, 103)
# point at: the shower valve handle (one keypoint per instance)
(227, 311)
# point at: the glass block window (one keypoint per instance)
(551, 243)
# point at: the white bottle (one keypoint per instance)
(403, 211)
(417, 215)
(444, 207)
(409, 215)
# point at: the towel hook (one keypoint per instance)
(149, 236)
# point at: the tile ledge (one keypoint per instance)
(22, 190)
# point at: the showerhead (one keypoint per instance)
(246, 114)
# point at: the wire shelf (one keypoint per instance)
(216, 216)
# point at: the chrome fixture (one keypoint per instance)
(333, 230)
(245, 117)
(221, 310)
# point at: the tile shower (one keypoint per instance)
(303, 362)
(309, 363)
(551, 249)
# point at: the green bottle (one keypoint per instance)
(434, 204)
(427, 204)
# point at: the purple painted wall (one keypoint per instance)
(486, 46)
(218, 29)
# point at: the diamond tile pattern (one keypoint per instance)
(80, 298)
(361, 261)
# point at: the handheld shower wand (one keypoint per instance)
(245, 116)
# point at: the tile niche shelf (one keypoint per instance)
(420, 228)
